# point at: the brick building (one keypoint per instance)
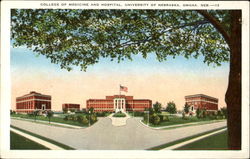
(201, 101)
(119, 103)
(33, 101)
(69, 106)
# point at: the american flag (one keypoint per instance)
(123, 88)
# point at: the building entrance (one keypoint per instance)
(119, 104)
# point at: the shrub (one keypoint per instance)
(100, 114)
(93, 118)
(79, 118)
(156, 119)
(66, 118)
(163, 118)
(136, 113)
(65, 110)
(184, 116)
(30, 114)
(211, 116)
(119, 114)
(12, 112)
(85, 121)
(145, 117)
(74, 117)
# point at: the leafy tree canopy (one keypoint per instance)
(82, 37)
(186, 108)
(171, 107)
(157, 107)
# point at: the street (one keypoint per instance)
(104, 136)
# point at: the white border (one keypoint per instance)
(6, 83)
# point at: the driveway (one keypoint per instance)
(104, 136)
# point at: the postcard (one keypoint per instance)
(125, 79)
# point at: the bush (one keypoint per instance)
(119, 114)
(184, 116)
(145, 117)
(201, 113)
(163, 118)
(85, 121)
(155, 119)
(66, 118)
(65, 110)
(12, 112)
(79, 118)
(93, 118)
(100, 114)
(138, 114)
(211, 116)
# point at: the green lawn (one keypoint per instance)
(18, 142)
(182, 140)
(66, 147)
(174, 120)
(214, 142)
(53, 119)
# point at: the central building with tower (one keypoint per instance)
(118, 103)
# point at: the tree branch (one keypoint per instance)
(216, 24)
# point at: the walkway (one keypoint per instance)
(119, 121)
(104, 136)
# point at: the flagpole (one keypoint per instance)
(120, 91)
(119, 103)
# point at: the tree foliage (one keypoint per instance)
(157, 107)
(81, 37)
(50, 114)
(186, 108)
(171, 107)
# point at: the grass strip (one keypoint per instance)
(196, 124)
(214, 142)
(44, 138)
(182, 140)
(53, 119)
(44, 123)
(178, 120)
(18, 142)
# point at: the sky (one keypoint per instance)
(166, 81)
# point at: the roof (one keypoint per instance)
(201, 95)
(33, 93)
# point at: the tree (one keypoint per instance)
(35, 113)
(186, 108)
(82, 37)
(72, 110)
(65, 110)
(171, 108)
(91, 110)
(50, 114)
(224, 111)
(157, 107)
